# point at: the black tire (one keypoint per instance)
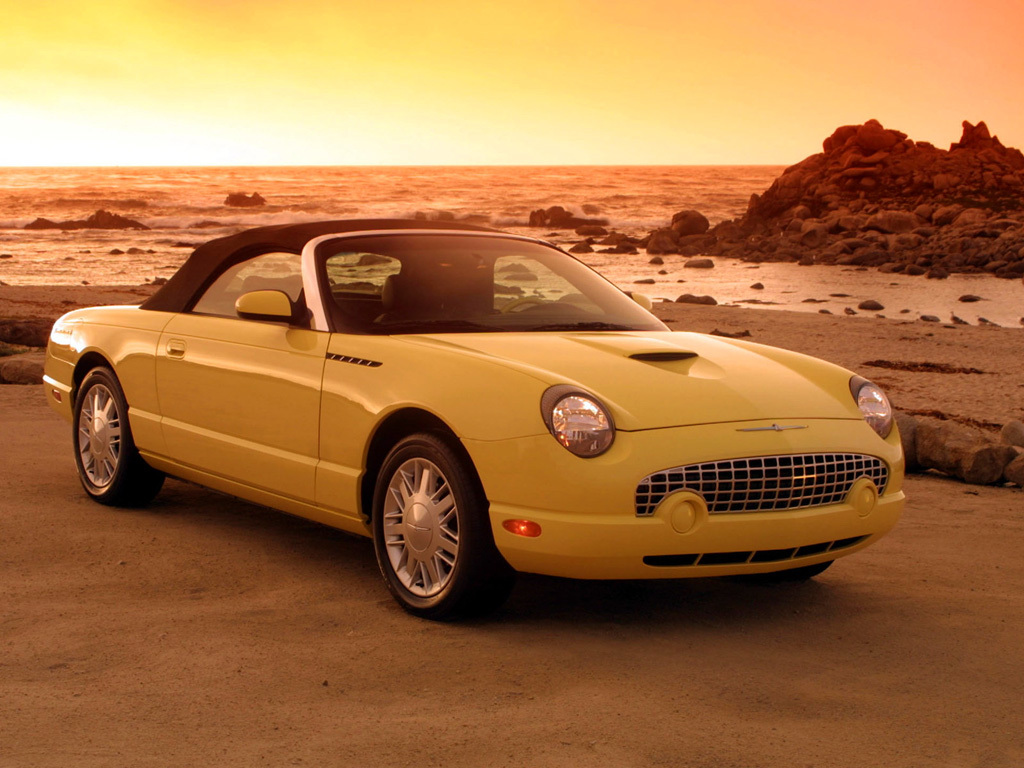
(437, 559)
(790, 576)
(109, 465)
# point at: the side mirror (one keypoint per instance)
(264, 305)
(643, 300)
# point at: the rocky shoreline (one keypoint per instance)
(872, 198)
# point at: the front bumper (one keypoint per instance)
(586, 507)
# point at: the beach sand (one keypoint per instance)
(205, 630)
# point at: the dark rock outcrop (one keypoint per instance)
(99, 220)
(875, 198)
(27, 333)
(557, 217)
(242, 200)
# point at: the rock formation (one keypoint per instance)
(557, 217)
(99, 220)
(876, 198)
(242, 200)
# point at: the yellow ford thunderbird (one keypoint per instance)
(478, 403)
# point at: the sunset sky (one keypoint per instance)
(217, 82)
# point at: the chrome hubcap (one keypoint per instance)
(99, 436)
(421, 527)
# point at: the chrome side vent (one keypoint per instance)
(354, 360)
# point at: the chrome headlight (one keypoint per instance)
(873, 404)
(577, 420)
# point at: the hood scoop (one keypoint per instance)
(662, 357)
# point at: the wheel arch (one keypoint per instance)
(393, 428)
(88, 361)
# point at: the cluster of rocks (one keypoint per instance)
(99, 220)
(242, 200)
(557, 217)
(875, 198)
(970, 454)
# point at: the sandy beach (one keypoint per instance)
(204, 629)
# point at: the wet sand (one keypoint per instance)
(205, 630)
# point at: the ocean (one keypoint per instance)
(184, 207)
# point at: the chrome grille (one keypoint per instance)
(764, 483)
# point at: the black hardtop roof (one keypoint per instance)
(211, 258)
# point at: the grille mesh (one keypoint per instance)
(764, 483)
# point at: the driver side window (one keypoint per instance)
(268, 271)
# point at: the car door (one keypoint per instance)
(240, 398)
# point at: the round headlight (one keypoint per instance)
(578, 421)
(873, 404)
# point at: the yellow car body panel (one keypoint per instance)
(241, 399)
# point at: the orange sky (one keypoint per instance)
(201, 82)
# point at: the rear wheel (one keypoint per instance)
(432, 534)
(109, 466)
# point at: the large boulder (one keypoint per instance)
(961, 451)
(690, 223)
(907, 426)
(26, 332)
(22, 369)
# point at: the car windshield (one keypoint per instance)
(459, 283)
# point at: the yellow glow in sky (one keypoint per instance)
(218, 82)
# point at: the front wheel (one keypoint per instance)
(109, 466)
(432, 533)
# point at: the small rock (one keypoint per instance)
(591, 230)
(6, 255)
(969, 298)
(644, 281)
(581, 247)
(758, 286)
(133, 251)
(985, 464)
(849, 311)
(870, 305)
(116, 252)
(699, 264)
(930, 319)
(689, 298)
(656, 260)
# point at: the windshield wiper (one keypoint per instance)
(434, 326)
(592, 325)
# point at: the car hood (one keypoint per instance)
(669, 379)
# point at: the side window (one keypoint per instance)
(269, 271)
(357, 283)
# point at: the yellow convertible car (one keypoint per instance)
(478, 403)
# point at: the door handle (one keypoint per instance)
(176, 348)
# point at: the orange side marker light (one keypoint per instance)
(526, 528)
